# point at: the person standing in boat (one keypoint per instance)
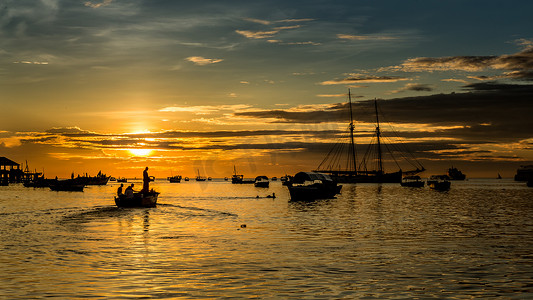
(146, 181)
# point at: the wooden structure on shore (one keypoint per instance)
(11, 172)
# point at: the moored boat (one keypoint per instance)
(412, 181)
(261, 181)
(174, 179)
(308, 186)
(239, 178)
(439, 182)
(200, 178)
(455, 174)
(342, 164)
(524, 173)
(68, 185)
(139, 199)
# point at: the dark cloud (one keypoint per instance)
(491, 111)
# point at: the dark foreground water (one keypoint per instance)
(372, 242)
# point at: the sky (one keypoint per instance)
(202, 86)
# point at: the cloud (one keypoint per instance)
(257, 34)
(489, 112)
(201, 61)
(97, 5)
(417, 87)
(520, 63)
(357, 78)
(205, 109)
(365, 37)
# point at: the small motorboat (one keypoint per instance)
(307, 186)
(412, 181)
(139, 199)
(439, 182)
(261, 181)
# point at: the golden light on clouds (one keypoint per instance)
(140, 152)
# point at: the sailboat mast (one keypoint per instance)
(352, 127)
(378, 136)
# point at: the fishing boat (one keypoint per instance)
(439, 182)
(186, 178)
(239, 178)
(342, 165)
(261, 181)
(139, 199)
(524, 173)
(274, 178)
(412, 181)
(455, 174)
(200, 178)
(39, 182)
(68, 185)
(312, 186)
(99, 179)
(174, 179)
(122, 179)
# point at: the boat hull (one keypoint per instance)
(138, 200)
(413, 184)
(69, 185)
(439, 186)
(313, 192)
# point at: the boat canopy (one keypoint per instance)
(302, 177)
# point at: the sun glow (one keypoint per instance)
(140, 152)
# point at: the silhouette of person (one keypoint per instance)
(119, 191)
(146, 181)
(129, 191)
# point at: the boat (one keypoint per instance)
(139, 199)
(100, 179)
(261, 181)
(342, 165)
(439, 182)
(209, 178)
(39, 182)
(274, 178)
(524, 173)
(238, 178)
(112, 178)
(225, 178)
(200, 178)
(455, 174)
(412, 181)
(308, 186)
(68, 185)
(186, 178)
(530, 182)
(174, 179)
(151, 178)
(123, 179)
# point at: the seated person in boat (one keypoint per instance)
(129, 192)
(119, 191)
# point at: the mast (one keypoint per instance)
(352, 127)
(378, 135)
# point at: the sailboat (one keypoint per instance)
(343, 165)
(238, 178)
(200, 178)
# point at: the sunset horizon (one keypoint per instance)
(107, 86)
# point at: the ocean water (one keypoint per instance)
(217, 240)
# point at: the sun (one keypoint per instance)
(140, 152)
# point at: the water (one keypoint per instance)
(217, 240)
